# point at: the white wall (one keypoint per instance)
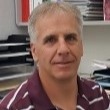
(96, 38)
(96, 46)
(7, 20)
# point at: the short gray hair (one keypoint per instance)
(49, 8)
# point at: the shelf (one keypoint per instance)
(23, 9)
(10, 84)
(33, 3)
(12, 64)
(14, 68)
(9, 76)
(12, 44)
(85, 23)
(96, 23)
(22, 24)
(7, 55)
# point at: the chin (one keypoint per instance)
(64, 76)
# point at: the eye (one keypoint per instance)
(71, 38)
(50, 40)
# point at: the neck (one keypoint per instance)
(62, 93)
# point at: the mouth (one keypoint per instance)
(63, 63)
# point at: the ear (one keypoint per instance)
(34, 51)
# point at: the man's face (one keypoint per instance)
(58, 47)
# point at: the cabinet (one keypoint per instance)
(23, 9)
(14, 60)
(33, 3)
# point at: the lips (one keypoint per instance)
(63, 62)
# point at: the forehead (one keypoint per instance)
(57, 20)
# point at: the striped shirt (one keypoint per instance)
(30, 95)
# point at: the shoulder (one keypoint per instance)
(94, 93)
(92, 89)
(15, 96)
(91, 86)
(88, 83)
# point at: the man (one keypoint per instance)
(55, 31)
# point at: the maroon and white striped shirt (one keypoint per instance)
(30, 95)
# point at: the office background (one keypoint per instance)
(96, 37)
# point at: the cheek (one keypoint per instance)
(77, 51)
(44, 55)
(80, 49)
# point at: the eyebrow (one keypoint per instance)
(48, 37)
(74, 34)
(53, 36)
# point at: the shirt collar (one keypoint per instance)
(41, 101)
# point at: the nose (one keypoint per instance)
(63, 48)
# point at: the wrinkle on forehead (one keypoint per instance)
(60, 16)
